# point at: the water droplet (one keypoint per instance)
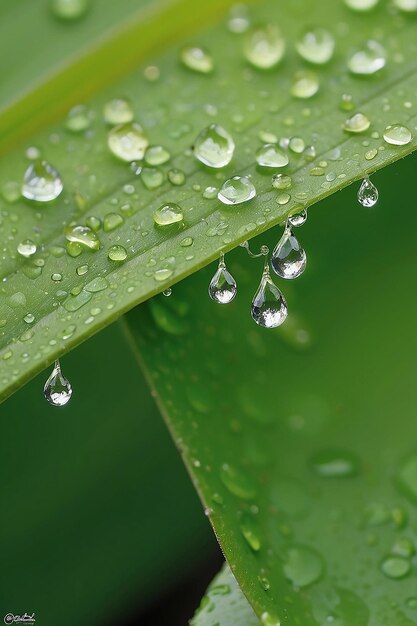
(157, 155)
(11, 191)
(70, 9)
(186, 242)
(411, 602)
(176, 177)
(316, 46)
(17, 299)
(269, 619)
(305, 84)
(407, 477)
(302, 566)
(397, 135)
(78, 119)
(236, 190)
(409, 6)
(367, 193)
(222, 288)
(83, 235)
(358, 123)
(112, 221)
(288, 259)
(337, 606)
(41, 182)
(371, 154)
(270, 155)
(346, 102)
(368, 60)
(93, 222)
(297, 145)
(403, 546)
(210, 192)
(82, 269)
(269, 307)
(309, 153)
(168, 214)
(335, 464)
(118, 111)
(298, 219)
(238, 21)
(238, 483)
(56, 277)
(163, 274)
(151, 177)
(395, 567)
(264, 47)
(29, 318)
(26, 248)
(214, 146)
(197, 59)
(57, 389)
(281, 181)
(361, 5)
(250, 531)
(117, 253)
(167, 292)
(127, 142)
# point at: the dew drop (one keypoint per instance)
(296, 145)
(26, 248)
(222, 288)
(361, 5)
(346, 102)
(168, 214)
(281, 181)
(176, 177)
(112, 221)
(156, 155)
(167, 292)
(41, 182)
(309, 153)
(78, 119)
(264, 47)
(269, 619)
(288, 259)
(127, 142)
(409, 6)
(70, 9)
(236, 190)
(83, 235)
(214, 146)
(369, 59)
(367, 194)
(358, 123)
(197, 59)
(338, 606)
(29, 318)
(302, 566)
(335, 464)
(238, 483)
(118, 111)
(298, 219)
(305, 84)
(397, 135)
(57, 389)
(395, 567)
(250, 531)
(269, 307)
(93, 222)
(82, 269)
(270, 155)
(316, 46)
(117, 253)
(186, 242)
(238, 21)
(152, 177)
(11, 191)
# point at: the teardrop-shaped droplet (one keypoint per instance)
(288, 259)
(368, 193)
(214, 146)
(369, 59)
(41, 182)
(265, 47)
(298, 219)
(237, 190)
(57, 389)
(269, 307)
(222, 288)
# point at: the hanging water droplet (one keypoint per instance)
(269, 307)
(128, 142)
(397, 135)
(298, 219)
(264, 47)
(167, 292)
(168, 214)
(358, 123)
(83, 235)
(305, 84)
(70, 9)
(369, 59)
(41, 182)
(197, 59)
(78, 119)
(26, 248)
(288, 259)
(316, 45)
(270, 155)
(117, 253)
(57, 389)
(157, 155)
(118, 111)
(222, 288)
(214, 146)
(264, 250)
(367, 193)
(236, 190)
(409, 6)
(281, 181)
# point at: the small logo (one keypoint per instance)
(19, 619)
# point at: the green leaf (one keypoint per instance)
(85, 496)
(301, 440)
(250, 103)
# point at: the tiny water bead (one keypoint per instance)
(237, 190)
(157, 155)
(361, 5)
(57, 389)
(305, 84)
(41, 182)
(269, 307)
(167, 292)
(222, 288)
(83, 235)
(281, 181)
(214, 146)
(358, 123)
(346, 102)
(264, 47)
(118, 111)
(168, 214)
(368, 60)
(395, 567)
(70, 9)
(128, 142)
(367, 194)
(298, 219)
(197, 59)
(316, 46)
(288, 259)
(397, 135)
(250, 531)
(26, 248)
(271, 155)
(176, 177)
(335, 464)
(117, 253)
(79, 118)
